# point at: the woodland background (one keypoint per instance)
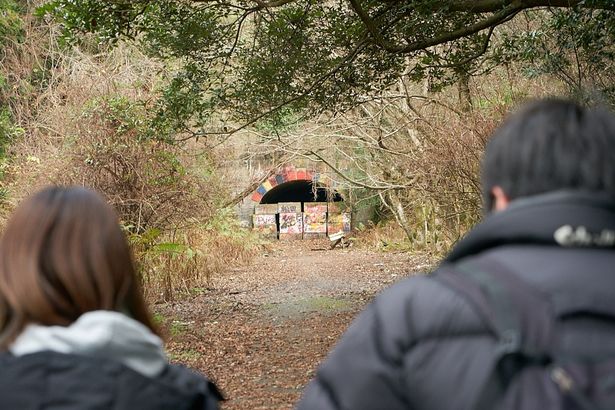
(154, 103)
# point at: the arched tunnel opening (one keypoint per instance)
(300, 191)
(296, 218)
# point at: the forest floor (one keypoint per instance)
(260, 331)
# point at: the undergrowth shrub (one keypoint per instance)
(186, 260)
(420, 156)
(422, 161)
(167, 207)
(11, 23)
(445, 201)
(70, 116)
(148, 181)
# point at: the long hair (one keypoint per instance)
(63, 254)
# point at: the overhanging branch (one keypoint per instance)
(503, 10)
(489, 6)
(348, 59)
(385, 187)
(497, 18)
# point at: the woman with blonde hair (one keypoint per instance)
(75, 332)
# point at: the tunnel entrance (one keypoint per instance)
(299, 209)
(300, 191)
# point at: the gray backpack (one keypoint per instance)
(528, 371)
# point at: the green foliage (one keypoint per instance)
(89, 16)
(106, 133)
(243, 60)
(240, 61)
(225, 223)
(11, 23)
(128, 116)
(184, 258)
(159, 319)
(185, 355)
(155, 244)
(575, 45)
(8, 131)
(177, 328)
(149, 181)
(11, 31)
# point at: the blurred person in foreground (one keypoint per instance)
(521, 313)
(75, 332)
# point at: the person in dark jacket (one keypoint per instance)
(549, 191)
(75, 332)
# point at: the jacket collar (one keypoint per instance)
(562, 218)
(102, 334)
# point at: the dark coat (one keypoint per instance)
(49, 380)
(420, 345)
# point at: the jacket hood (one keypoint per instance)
(561, 218)
(102, 334)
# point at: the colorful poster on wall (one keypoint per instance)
(291, 223)
(315, 207)
(289, 207)
(315, 218)
(265, 225)
(266, 209)
(335, 223)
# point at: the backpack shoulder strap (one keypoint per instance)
(523, 321)
(518, 315)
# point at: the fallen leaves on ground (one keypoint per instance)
(261, 330)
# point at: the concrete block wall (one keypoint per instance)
(245, 209)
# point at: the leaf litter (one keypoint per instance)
(260, 331)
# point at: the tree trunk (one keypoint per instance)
(391, 200)
(465, 97)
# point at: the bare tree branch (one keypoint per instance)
(383, 187)
(248, 190)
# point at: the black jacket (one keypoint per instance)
(420, 345)
(49, 380)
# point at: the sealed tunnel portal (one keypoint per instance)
(299, 203)
(300, 191)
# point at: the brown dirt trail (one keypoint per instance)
(260, 331)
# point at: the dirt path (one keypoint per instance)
(260, 331)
